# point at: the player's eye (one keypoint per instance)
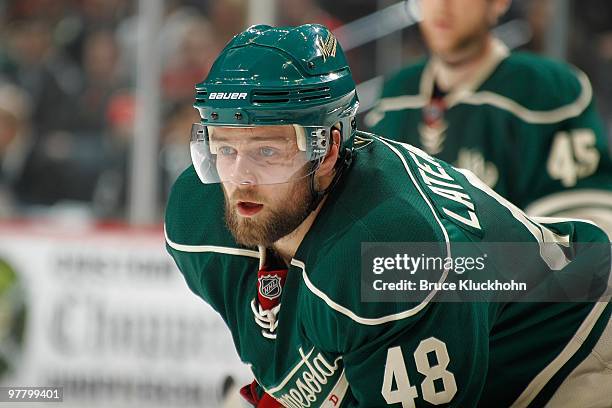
(226, 151)
(268, 151)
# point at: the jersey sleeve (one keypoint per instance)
(577, 178)
(579, 153)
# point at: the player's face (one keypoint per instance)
(454, 27)
(260, 214)
(257, 155)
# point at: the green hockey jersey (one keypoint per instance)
(525, 125)
(327, 348)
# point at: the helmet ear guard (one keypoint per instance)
(213, 146)
(300, 135)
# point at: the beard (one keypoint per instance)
(273, 223)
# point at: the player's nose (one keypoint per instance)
(242, 174)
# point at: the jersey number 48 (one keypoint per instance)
(395, 369)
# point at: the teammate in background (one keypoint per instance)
(267, 227)
(525, 125)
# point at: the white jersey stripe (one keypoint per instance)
(567, 200)
(211, 248)
(539, 117)
(537, 384)
(531, 116)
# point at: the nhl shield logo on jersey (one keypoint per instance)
(270, 286)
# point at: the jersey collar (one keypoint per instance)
(499, 52)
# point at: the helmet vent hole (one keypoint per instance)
(313, 98)
(311, 90)
(201, 96)
(313, 94)
(265, 97)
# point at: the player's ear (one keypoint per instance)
(498, 9)
(327, 165)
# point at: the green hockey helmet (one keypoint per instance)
(269, 103)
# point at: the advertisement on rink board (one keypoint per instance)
(107, 316)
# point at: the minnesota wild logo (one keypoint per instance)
(327, 47)
(474, 161)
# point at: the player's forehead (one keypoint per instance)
(280, 132)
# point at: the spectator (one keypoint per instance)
(101, 79)
(15, 143)
(190, 61)
(51, 80)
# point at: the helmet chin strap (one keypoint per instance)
(316, 196)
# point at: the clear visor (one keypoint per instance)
(257, 154)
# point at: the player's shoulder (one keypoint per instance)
(381, 199)
(378, 203)
(194, 212)
(405, 81)
(539, 83)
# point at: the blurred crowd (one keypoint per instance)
(67, 86)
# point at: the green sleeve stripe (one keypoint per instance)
(540, 380)
(211, 248)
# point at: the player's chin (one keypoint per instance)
(443, 47)
(440, 42)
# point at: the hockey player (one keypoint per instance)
(525, 125)
(267, 227)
